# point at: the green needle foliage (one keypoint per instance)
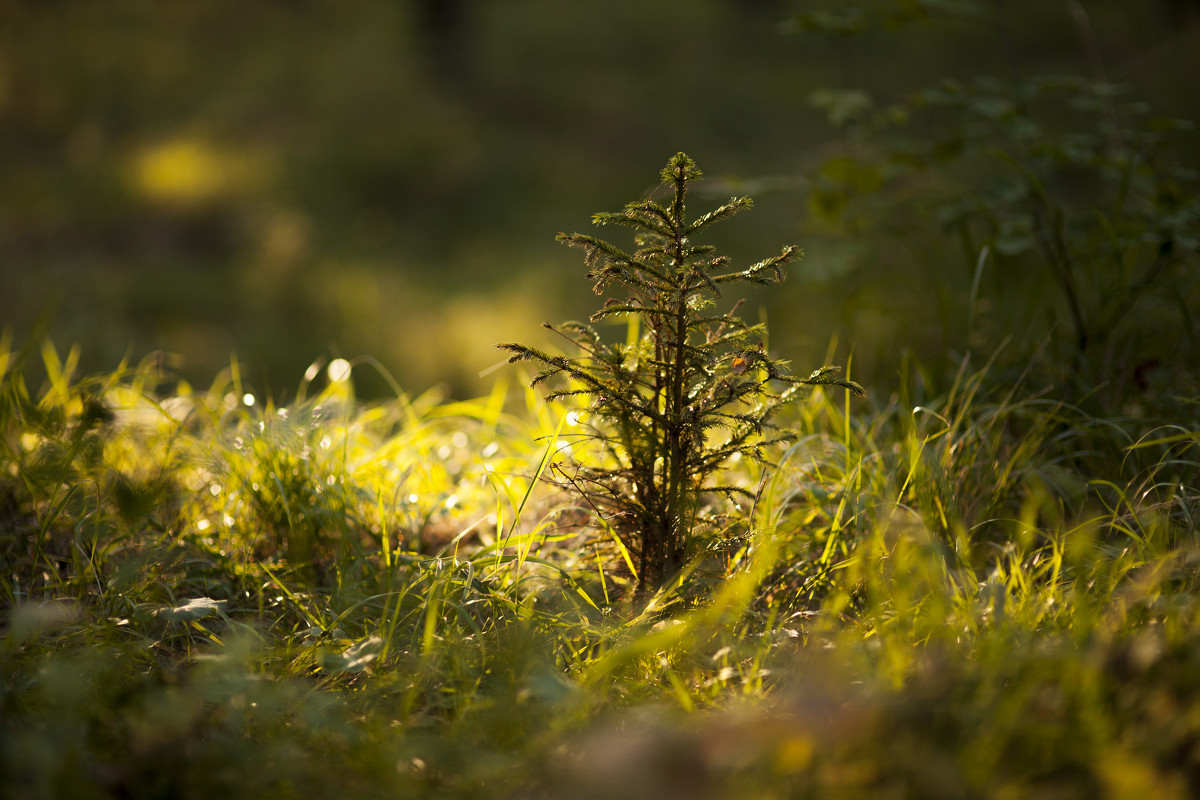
(690, 388)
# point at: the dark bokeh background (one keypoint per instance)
(288, 179)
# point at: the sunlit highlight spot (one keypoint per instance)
(248, 399)
(338, 370)
(193, 171)
(183, 170)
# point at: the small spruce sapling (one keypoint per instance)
(673, 404)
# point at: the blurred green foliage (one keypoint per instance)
(287, 180)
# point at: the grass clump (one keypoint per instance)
(973, 591)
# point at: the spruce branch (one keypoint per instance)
(726, 211)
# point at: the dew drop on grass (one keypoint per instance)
(248, 399)
(338, 370)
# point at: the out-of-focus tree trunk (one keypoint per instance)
(443, 28)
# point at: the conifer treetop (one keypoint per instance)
(690, 388)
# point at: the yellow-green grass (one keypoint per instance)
(975, 591)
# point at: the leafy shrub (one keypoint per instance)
(1075, 217)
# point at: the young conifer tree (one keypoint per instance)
(676, 402)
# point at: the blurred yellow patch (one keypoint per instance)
(1127, 775)
(192, 171)
(795, 754)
